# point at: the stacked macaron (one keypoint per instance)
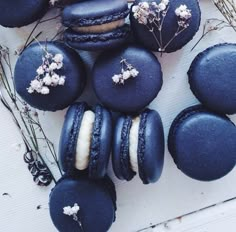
(94, 25)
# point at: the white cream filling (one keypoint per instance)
(133, 144)
(84, 141)
(101, 28)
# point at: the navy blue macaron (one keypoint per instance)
(165, 26)
(55, 95)
(128, 79)
(19, 13)
(95, 202)
(212, 78)
(85, 142)
(96, 25)
(203, 143)
(138, 147)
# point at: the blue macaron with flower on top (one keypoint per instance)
(19, 13)
(49, 76)
(166, 25)
(127, 79)
(78, 204)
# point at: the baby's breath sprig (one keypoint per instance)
(127, 71)
(74, 212)
(228, 10)
(47, 74)
(28, 123)
(152, 15)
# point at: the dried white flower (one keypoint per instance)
(134, 72)
(46, 74)
(126, 75)
(68, 210)
(162, 6)
(52, 66)
(62, 80)
(183, 12)
(45, 90)
(55, 79)
(59, 65)
(40, 70)
(126, 72)
(75, 208)
(58, 58)
(47, 80)
(30, 90)
(36, 85)
(116, 78)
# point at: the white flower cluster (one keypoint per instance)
(145, 12)
(71, 211)
(183, 12)
(125, 74)
(46, 75)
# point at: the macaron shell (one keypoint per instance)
(136, 93)
(19, 13)
(203, 144)
(212, 78)
(73, 68)
(151, 147)
(96, 42)
(101, 143)
(97, 209)
(93, 12)
(69, 136)
(120, 149)
(170, 26)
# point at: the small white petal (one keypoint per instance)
(45, 90)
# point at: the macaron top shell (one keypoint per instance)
(94, 12)
(100, 143)
(212, 78)
(60, 96)
(19, 13)
(150, 150)
(96, 199)
(169, 28)
(136, 93)
(203, 144)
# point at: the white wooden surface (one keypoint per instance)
(139, 206)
